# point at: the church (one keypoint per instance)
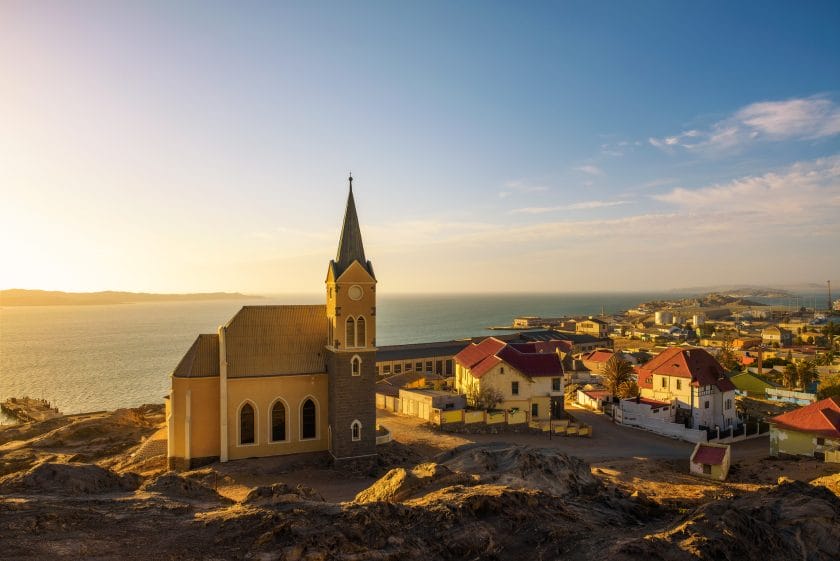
(278, 380)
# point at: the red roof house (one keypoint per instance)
(821, 418)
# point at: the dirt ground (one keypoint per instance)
(79, 488)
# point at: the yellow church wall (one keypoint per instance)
(354, 275)
(262, 393)
(203, 437)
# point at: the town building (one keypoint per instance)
(695, 382)
(524, 378)
(278, 380)
(434, 358)
(710, 460)
(813, 430)
(752, 384)
(593, 326)
(776, 335)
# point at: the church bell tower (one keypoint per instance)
(351, 343)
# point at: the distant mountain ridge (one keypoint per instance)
(747, 291)
(24, 297)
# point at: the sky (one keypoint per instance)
(495, 146)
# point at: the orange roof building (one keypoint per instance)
(695, 381)
(813, 430)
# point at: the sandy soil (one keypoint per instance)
(73, 488)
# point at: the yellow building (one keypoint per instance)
(813, 430)
(524, 377)
(278, 380)
(593, 326)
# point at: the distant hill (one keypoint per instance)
(740, 291)
(21, 297)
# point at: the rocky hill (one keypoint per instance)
(69, 490)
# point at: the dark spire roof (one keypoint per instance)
(350, 247)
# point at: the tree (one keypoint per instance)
(617, 372)
(628, 389)
(789, 376)
(806, 373)
(829, 387)
(487, 397)
(727, 357)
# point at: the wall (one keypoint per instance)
(204, 418)
(795, 443)
(661, 427)
(262, 392)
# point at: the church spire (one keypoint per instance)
(350, 246)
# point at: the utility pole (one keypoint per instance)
(829, 296)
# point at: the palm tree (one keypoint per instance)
(618, 373)
(789, 376)
(807, 373)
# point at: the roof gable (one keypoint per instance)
(356, 272)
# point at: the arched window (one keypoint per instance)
(360, 332)
(308, 422)
(278, 422)
(356, 366)
(350, 333)
(246, 424)
(356, 430)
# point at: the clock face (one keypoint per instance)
(355, 292)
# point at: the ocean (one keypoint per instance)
(91, 358)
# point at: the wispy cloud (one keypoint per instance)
(803, 193)
(591, 169)
(520, 186)
(793, 119)
(619, 148)
(585, 205)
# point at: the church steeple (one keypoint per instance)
(350, 247)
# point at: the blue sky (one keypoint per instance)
(563, 146)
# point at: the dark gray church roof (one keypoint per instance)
(350, 247)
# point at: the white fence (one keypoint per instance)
(799, 398)
(674, 430)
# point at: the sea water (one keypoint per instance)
(89, 358)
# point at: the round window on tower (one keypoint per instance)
(355, 292)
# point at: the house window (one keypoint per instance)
(397, 368)
(535, 410)
(728, 404)
(679, 384)
(820, 441)
(555, 384)
(386, 369)
(428, 366)
(246, 424)
(408, 367)
(664, 382)
(308, 422)
(705, 405)
(350, 333)
(278, 422)
(361, 332)
(356, 430)
(418, 367)
(501, 370)
(707, 469)
(356, 366)
(514, 388)
(449, 367)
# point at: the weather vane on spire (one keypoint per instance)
(351, 180)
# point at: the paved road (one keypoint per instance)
(609, 441)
